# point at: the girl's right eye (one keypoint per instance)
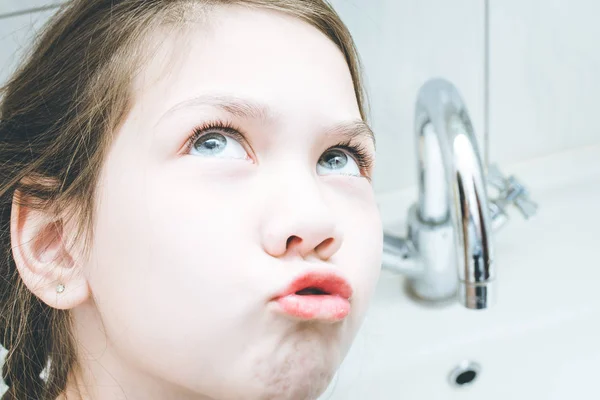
(217, 142)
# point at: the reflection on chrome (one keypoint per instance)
(448, 250)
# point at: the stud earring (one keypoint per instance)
(60, 288)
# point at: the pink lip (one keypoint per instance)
(332, 306)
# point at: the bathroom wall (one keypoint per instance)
(545, 80)
(19, 20)
(11, 7)
(544, 63)
(403, 43)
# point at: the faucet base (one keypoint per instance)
(440, 302)
(434, 242)
(427, 257)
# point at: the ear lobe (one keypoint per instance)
(42, 258)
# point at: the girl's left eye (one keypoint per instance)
(336, 161)
(346, 158)
(224, 141)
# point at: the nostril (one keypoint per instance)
(325, 243)
(291, 240)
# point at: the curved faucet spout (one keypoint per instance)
(452, 187)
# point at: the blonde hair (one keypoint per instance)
(57, 116)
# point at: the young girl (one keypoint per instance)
(186, 208)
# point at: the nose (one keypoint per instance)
(299, 222)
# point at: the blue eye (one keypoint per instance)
(211, 145)
(217, 142)
(337, 162)
(222, 140)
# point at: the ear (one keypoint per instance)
(43, 259)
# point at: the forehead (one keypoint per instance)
(275, 58)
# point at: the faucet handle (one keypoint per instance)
(496, 178)
(518, 194)
(511, 190)
(498, 215)
(527, 207)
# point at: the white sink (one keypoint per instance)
(540, 341)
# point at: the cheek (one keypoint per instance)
(370, 244)
(358, 214)
(364, 248)
(166, 270)
(162, 248)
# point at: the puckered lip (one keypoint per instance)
(318, 282)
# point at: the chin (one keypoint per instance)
(294, 382)
(299, 369)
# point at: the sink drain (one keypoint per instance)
(464, 374)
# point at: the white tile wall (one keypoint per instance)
(403, 44)
(16, 34)
(2, 357)
(545, 76)
(17, 6)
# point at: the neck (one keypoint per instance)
(101, 374)
(75, 389)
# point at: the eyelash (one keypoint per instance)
(362, 156)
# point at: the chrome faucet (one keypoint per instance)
(449, 250)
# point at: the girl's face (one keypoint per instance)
(194, 238)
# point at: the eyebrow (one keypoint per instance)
(250, 109)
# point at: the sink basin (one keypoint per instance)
(539, 341)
